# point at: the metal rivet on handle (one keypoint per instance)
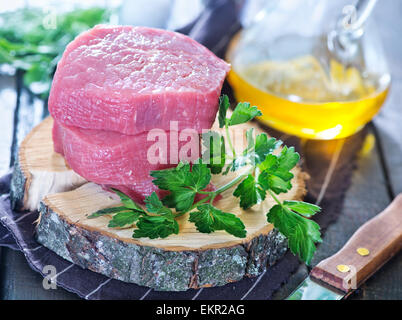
(343, 268)
(363, 252)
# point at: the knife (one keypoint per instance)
(370, 247)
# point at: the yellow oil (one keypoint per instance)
(298, 97)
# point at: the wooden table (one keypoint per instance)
(376, 181)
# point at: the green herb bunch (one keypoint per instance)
(263, 173)
(33, 40)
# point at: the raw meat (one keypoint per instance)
(112, 158)
(134, 79)
(115, 160)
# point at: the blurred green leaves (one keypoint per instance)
(27, 43)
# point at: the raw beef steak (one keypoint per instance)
(134, 79)
(111, 158)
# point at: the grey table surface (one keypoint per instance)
(377, 179)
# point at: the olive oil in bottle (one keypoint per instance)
(315, 68)
(299, 97)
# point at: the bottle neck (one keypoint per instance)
(344, 41)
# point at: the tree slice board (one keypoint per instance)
(188, 260)
(39, 170)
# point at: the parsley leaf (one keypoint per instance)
(270, 162)
(181, 199)
(305, 209)
(127, 201)
(182, 183)
(173, 178)
(249, 192)
(273, 176)
(124, 215)
(154, 205)
(224, 105)
(302, 233)
(288, 158)
(200, 176)
(156, 227)
(243, 113)
(276, 175)
(123, 219)
(257, 150)
(264, 147)
(107, 211)
(269, 181)
(209, 219)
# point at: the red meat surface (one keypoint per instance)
(134, 79)
(111, 158)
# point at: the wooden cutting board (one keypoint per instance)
(43, 180)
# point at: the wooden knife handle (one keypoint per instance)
(382, 236)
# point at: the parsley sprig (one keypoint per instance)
(155, 221)
(262, 171)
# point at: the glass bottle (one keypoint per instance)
(315, 68)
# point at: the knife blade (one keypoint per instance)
(370, 247)
(311, 290)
